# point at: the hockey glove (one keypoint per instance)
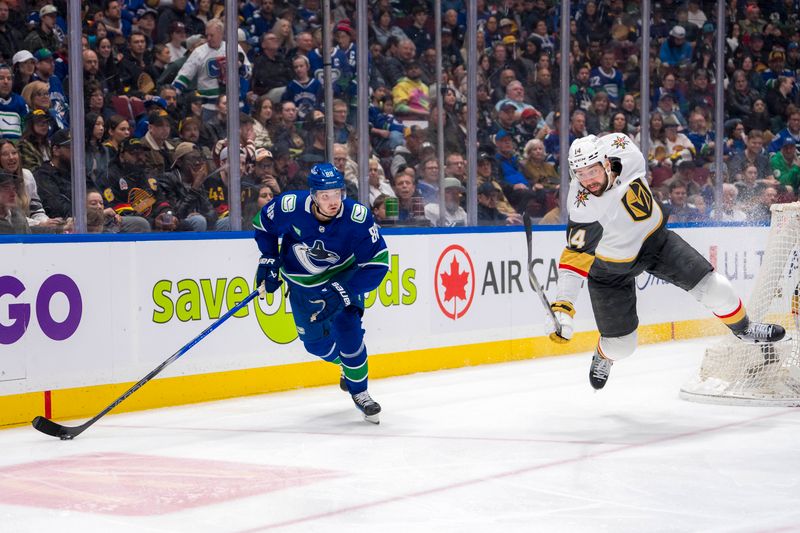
(334, 297)
(268, 273)
(564, 312)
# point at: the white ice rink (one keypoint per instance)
(524, 446)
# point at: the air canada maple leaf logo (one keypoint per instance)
(454, 281)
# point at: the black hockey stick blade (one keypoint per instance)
(48, 427)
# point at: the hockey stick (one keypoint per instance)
(54, 429)
(526, 219)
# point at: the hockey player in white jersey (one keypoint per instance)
(616, 231)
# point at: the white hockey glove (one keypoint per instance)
(564, 311)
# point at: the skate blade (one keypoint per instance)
(373, 419)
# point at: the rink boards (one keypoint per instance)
(81, 320)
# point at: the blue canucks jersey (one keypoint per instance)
(349, 247)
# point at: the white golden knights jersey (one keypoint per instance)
(611, 227)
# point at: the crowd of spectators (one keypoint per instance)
(156, 112)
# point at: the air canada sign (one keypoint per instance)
(454, 281)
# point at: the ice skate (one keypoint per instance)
(342, 382)
(598, 372)
(758, 333)
(368, 406)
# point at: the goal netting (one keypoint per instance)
(733, 372)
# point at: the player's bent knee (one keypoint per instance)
(324, 348)
(616, 348)
(716, 293)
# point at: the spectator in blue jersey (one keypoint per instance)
(306, 92)
(332, 254)
(386, 132)
(605, 77)
(261, 21)
(44, 72)
(12, 106)
(791, 132)
(675, 52)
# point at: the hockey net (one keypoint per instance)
(736, 373)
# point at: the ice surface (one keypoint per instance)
(525, 446)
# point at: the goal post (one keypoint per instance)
(737, 373)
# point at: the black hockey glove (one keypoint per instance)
(334, 297)
(268, 273)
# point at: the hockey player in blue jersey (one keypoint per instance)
(331, 254)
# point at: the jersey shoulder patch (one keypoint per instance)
(289, 203)
(638, 200)
(359, 213)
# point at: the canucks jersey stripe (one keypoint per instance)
(379, 259)
(257, 222)
(313, 280)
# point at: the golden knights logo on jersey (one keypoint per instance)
(638, 200)
(315, 259)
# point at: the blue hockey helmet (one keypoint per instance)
(325, 176)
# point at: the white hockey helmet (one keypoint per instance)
(584, 152)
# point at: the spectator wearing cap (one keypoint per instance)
(24, 65)
(145, 21)
(34, 146)
(487, 174)
(758, 52)
(271, 70)
(508, 161)
(177, 36)
(700, 93)
(10, 37)
(791, 131)
(669, 108)
(752, 22)
(418, 30)
(451, 51)
(344, 35)
(411, 95)
(131, 191)
(777, 68)
(454, 214)
(158, 157)
(12, 219)
(182, 189)
(679, 147)
(176, 13)
(44, 34)
(488, 213)
(785, 166)
(45, 68)
(607, 78)
(54, 179)
(675, 51)
(263, 172)
(793, 56)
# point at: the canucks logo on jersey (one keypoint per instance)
(315, 259)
